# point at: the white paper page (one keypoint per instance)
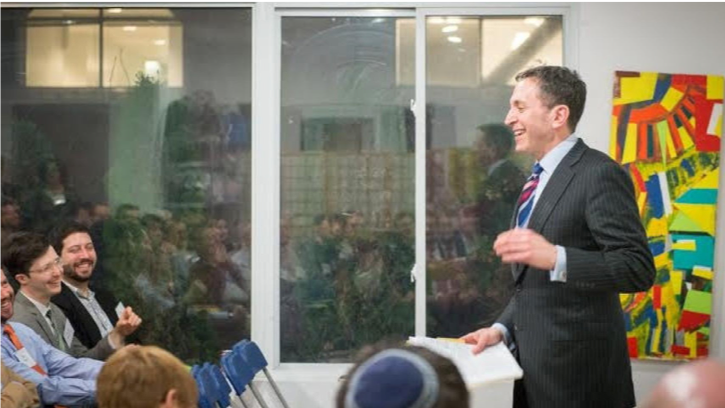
(495, 363)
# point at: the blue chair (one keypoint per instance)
(251, 353)
(205, 400)
(219, 391)
(222, 386)
(240, 375)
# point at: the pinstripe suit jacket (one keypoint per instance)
(570, 337)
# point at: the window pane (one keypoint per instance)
(159, 170)
(153, 49)
(473, 176)
(347, 176)
(62, 55)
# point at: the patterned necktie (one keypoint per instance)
(526, 201)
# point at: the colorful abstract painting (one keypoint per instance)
(666, 131)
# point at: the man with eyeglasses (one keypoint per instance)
(60, 378)
(92, 313)
(35, 265)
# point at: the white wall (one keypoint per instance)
(670, 38)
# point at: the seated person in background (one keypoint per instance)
(92, 314)
(403, 377)
(60, 378)
(145, 377)
(37, 268)
(698, 384)
(17, 392)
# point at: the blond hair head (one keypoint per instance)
(145, 377)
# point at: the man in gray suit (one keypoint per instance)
(575, 243)
(33, 262)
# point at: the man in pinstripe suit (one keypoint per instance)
(576, 242)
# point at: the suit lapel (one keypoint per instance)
(39, 318)
(555, 187)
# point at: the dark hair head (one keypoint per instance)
(559, 86)
(452, 391)
(60, 233)
(499, 137)
(22, 249)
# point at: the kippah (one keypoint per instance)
(393, 378)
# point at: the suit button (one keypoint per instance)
(518, 289)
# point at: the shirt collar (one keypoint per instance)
(41, 307)
(551, 160)
(78, 292)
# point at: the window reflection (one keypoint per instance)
(473, 176)
(347, 243)
(159, 170)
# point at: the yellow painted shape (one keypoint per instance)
(630, 144)
(703, 215)
(637, 89)
(691, 342)
(671, 99)
(685, 245)
(662, 260)
(715, 87)
(657, 227)
(676, 280)
(641, 201)
(613, 137)
(703, 272)
(685, 137)
(710, 180)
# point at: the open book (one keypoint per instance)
(495, 363)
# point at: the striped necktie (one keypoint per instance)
(526, 200)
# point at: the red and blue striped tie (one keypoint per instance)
(526, 200)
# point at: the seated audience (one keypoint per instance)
(145, 377)
(59, 378)
(37, 268)
(403, 378)
(17, 392)
(698, 384)
(92, 313)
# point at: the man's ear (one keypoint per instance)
(560, 116)
(22, 278)
(170, 399)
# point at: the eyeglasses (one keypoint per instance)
(48, 268)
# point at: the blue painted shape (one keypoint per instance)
(663, 84)
(688, 167)
(699, 196)
(703, 254)
(654, 196)
(657, 248)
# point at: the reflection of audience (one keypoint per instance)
(409, 377)
(47, 203)
(217, 284)
(501, 187)
(145, 377)
(470, 285)
(10, 217)
(698, 384)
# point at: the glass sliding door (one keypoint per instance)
(347, 180)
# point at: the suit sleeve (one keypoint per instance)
(623, 262)
(101, 351)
